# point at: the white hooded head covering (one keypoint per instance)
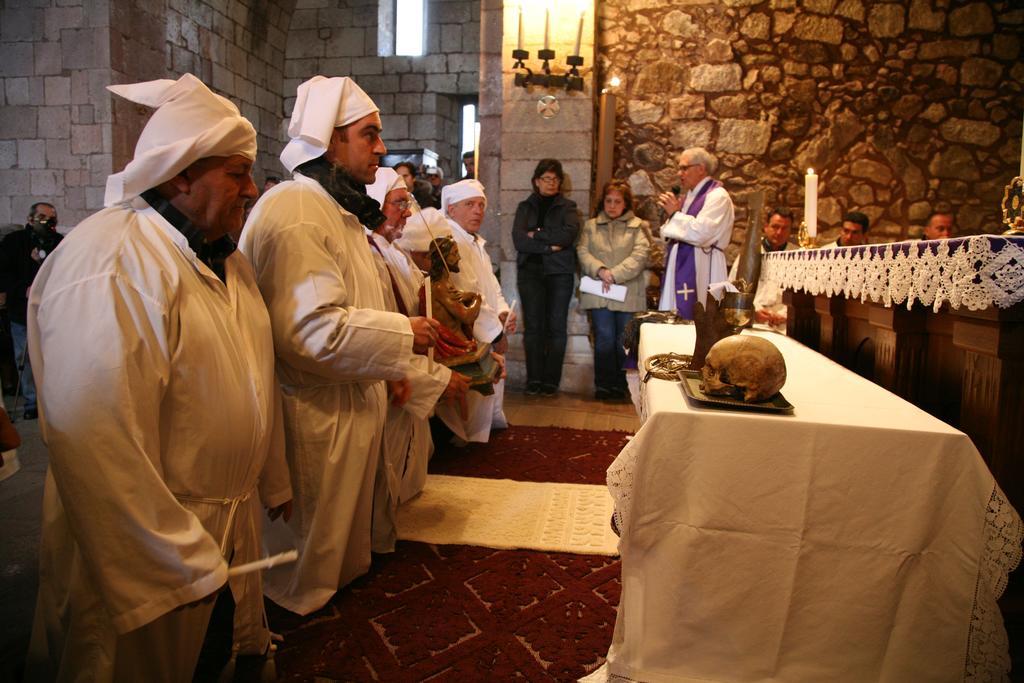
(321, 105)
(422, 228)
(190, 123)
(386, 181)
(456, 192)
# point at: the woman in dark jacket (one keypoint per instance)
(544, 233)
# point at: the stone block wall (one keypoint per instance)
(62, 133)
(420, 97)
(899, 107)
(55, 118)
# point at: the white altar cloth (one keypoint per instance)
(859, 539)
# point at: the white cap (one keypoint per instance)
(386, 181)
(422, 228)
(434, 170)
(457, 192)
(190, 123)
(321, 105)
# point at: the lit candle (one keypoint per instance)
(1022, 155)
(476, 151)
(547, 27)
(811, 202)
(579, 36)
(520, 26)
(427, 301)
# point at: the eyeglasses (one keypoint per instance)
(683, 168)
(548, 179)
(400, 204)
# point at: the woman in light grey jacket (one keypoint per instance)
(613, 248)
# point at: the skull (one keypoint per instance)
(744, 365)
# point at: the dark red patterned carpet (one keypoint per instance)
(464, 613)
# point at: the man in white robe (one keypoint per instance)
(407, 445)
(697, 232)
(159, 406)
(768, 306)
(337, 345)
(463, 204)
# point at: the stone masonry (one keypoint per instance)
(899, 107)
(420, 97)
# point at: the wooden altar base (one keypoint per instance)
(964, 367)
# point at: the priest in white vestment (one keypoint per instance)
(696, 234)
(339, 351)
(158, 403)
(407, 445)
(768, 306)
(463, 204)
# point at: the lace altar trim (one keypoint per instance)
(988, 655)
(972, 272)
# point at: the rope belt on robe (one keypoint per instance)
(234, 503)
(685, 281)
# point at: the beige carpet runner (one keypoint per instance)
(506, 514)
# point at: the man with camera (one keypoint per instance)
(21, 254)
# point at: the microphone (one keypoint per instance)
(676, 190)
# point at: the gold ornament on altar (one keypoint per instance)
(1013, 207)
(804, 237)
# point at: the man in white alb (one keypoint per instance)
(340, 352)
(463, 204)
(155, 368)
(697, 232)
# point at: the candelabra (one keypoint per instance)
(525, 78)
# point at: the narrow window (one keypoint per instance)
(410, 26)
(468, 128)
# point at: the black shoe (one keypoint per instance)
(533, 388)
(548, 390)
(602, 394)
(30, 414)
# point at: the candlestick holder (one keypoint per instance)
(526, 77)
(804, 237)
(1013, 207)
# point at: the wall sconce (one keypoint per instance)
(525, 78)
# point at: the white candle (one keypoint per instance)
(1022, 155)
(579, 36)
(547, 27)
(811, 202)
(520, 26)
(476, 151)
(427, 298)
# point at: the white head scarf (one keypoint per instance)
(456, 192)
(190, 123)
(422, 228)
(386, 181)
(321, 105)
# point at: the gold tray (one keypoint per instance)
(690, 380)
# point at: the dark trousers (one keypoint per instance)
(545, 301)
(608, 353)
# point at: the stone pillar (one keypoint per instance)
(526, 137)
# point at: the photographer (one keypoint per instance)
(21, 254)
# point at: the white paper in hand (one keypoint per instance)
(592, 286)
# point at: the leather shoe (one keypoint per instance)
(30, 414)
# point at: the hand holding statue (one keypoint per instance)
(455, 392)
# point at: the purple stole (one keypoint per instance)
(685, 267)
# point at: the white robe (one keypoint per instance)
(769, 295)
(335, 346)
(476, 274)
(407, 443)
(709, 232)
(161, 414)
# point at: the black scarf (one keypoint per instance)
(213, 254)
(345, 189)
